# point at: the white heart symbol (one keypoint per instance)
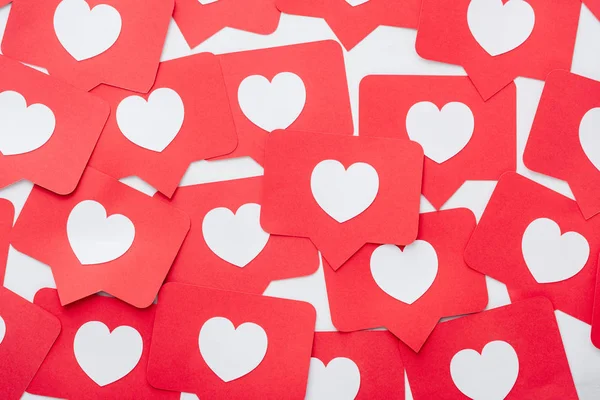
(2, 329)
(355, 3)
(490, 375)
(23, 129)
(205, 2)
(238, 238)
(96, 239)
(151, 124)
(339, 380)
(550, 256)
(232, 353)
(107, 356)
(85, 33)
(500, 27)
(405, 275)
(344, 194)
(272, 105)
(589, 135)
(442, 133)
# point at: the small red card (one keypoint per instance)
(537, 242)
(513, 352)
(463, 137)
(594, 6)
(105, 236)
(341, 191)
(596, 313)
(26, 335)
(7, 214)
(220, 344)
(186, 117)
(302, 87)
(48, 129)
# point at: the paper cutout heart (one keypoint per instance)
(238, 238)
(550, 256)
(272, 105)
(23, 129)
(589, 135)
(405, 275)
(355, 3)
(85, 32)
(339, 380)
(490, 375)
(442, 133)
(151, 124)
(107, 356)
(500, 27)
(229, 352)
(2, 329)
(96, 238)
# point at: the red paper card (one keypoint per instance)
(302, 87)
(594, 6)
(563, 138)
(341, 191)
(596, 313)
(49, 129)
(536, 242)
(496, 41)
(353, 20)
(220, 344)
(513, 352)
(116, 239)
(26, 335)
(7, 214)
(463, 137)
(101, 353)
(4, 2)
(227, 248)
(119, 43)
(358, 365)
(186, 117)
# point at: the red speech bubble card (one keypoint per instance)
(498, 40)
(537, 242)
(88, 42)
(513, 352)
(463, 137)
(341, 191)
(564, 137)
(596, 313)
(101, 353)
(27, 333)
(48, 129)
(186, 117)
(220, 344)
(227, 248)
(105, 236)
(7, 214)
(302, 87)
(407, 290)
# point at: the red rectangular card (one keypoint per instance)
(594, 6)
(596, 313)
(7, 214)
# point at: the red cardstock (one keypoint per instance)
(596, 314)
(4, 2)
(177, 364)
(130, 63)
(79, 117)
(134, 277)
(7, 214)
(495, 249)
(529, 327)
(386, 100)
(594, 6)
(207, 129)
(289, 207)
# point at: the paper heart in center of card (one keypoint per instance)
(340, 379)
(589, 135)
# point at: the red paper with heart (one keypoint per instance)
(449, 32)
(204, 261)
(308, 191)
(427, 109)
(26, 335)
(562, 142)
(596, 313)
(60, 128)
(7, 214)
(315, 70)
(127, 254)
(185, 118)
(523, 357)
(194, 327)
(537, 242)
(129, 37)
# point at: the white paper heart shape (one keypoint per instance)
(96, 238)
(107, 356)
(589, 136)
(339, 380)
(442, 133)
(229, 352)
(2, 329)
(355, 3)
(86, 33)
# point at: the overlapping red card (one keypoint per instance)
(596, 313)
(594, 6)
(7, 213)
